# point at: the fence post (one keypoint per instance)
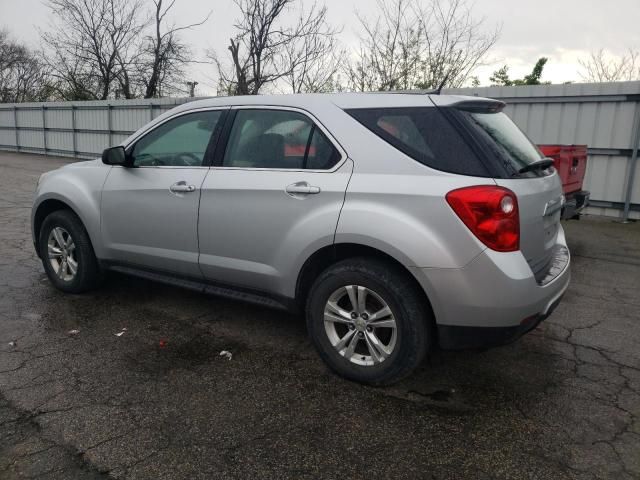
(15, 127)
(44, 129)
(73, 131)
(632, 166)
(109, 124)
(150, 110)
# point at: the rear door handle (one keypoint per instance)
(302, 188)
(182, 187)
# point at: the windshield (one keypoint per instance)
(504, 139)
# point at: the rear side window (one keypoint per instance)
(424, 134)
(278, 139)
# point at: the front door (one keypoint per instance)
(274, 199)
(150, 209)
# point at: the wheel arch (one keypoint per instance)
(329, 255)
(46, 208)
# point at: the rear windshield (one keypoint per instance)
(424, 134)
(503, 139)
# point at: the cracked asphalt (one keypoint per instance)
(159, 402)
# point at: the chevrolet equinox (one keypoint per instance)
(398, 223)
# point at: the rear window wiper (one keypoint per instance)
(541, 164)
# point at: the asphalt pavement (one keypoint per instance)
(159, 402)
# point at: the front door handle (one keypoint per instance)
(182, 187)
(302, 188)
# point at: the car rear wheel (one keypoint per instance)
(67, 254)
(368, 321)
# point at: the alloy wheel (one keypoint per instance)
(61, 250)
(360, 325)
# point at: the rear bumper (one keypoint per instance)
(451, 337)
(575, 203)
(494, 299)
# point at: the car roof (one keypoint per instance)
(315, 103)
(341, 100)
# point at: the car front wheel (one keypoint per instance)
(67, 254)
(368, 321)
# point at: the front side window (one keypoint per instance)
(277, 139)
(180, 142)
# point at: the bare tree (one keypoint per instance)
(72, 78)
(390, 50)
(268, 50)
(601, 66)
(164, 54)
(22, 76)
(455, 42)
(316, 72)
(313, 61)
(418, 44)
(11, 54)
(98, 48)
(90, 44)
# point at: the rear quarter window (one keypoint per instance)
(424, 134)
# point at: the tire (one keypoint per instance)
(382, 282)
(80, 251)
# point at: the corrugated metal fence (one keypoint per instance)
(77, 129)
(606, 117)
(603, 116)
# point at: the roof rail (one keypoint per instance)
(437, 91)
(408, 92)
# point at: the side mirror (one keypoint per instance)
(115, 156)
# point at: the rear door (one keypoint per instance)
(271, 200)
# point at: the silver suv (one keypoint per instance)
(397, 222)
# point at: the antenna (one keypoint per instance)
(438, 90)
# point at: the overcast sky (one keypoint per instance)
(563, 30)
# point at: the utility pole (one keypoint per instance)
(192, 88)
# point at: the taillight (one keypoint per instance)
(491, 213)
